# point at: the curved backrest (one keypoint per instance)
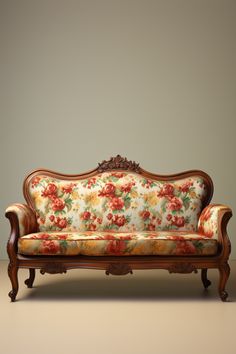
(117, 197)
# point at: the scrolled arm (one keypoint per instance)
(213, 223)
(22, 218)
(23, 221)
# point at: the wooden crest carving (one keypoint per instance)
(53, 268)
(118, 163)
(182, 268)
(118, 269)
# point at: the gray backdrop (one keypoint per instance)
(151, 80)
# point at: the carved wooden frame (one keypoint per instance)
(118, 265)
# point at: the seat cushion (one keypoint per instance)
(93, 243)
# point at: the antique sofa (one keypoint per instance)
(118, 218)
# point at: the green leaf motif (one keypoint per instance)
(59, 212)
(63, 246)
(118, 211)
(186, 202)
(127, 201)
(111, 227)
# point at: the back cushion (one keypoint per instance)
(121, 201)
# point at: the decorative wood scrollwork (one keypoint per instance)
(118, 162)
(182, 268)
(53, 268)
(118, 269)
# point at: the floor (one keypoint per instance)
(85, 311)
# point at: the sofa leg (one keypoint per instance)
(13, 272)
(224, 271)
(206, 282)
(29, 282)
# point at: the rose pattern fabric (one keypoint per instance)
(208, 224)
(102, 243)
(117, 201)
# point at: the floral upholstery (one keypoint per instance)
(92, 243)
(208, 223)
(117, 201)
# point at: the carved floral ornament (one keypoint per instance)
(118, 162)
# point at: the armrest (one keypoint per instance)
(213, 223)
(22, 218)
(23, 221)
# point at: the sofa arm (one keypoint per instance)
(213, 223)
(22, 218)
(23, 221)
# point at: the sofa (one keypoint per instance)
(118, 217)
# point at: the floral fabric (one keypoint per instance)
(208, 223)
(92, 243)
(117, 201)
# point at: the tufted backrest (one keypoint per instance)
(117, 200)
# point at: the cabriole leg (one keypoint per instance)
(13, 272)
(224, 271)
(206, 282)
(29, 282)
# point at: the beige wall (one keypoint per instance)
(84, 80)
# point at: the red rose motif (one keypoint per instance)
(145, 214)
(62, 237)
(166, 191)
(108, 237)
(91, 182)
(43, 236)
(169, 217)
(62, 223)
(99, 220)
(178, 221)
(119, 220)
(185, 186)
(51, 218)
(127, 187)
(92, 227)
(116, 203)
(184, 247)
(175, 204)
(50, 247)
(118, 174)
(68, 188)
(108, 190)
(116, 247)
(58, 204)
(109, 216)
(50, 190)
(35, 181)
(147, 183)
(56, 220)
(86, 215)
(151, 227)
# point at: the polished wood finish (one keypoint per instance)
(118, 265)
(183, 267)
(53, 268)
(119, 268)
(118, 162)
(206, 282)
(29, 282)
